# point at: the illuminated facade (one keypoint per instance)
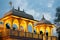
(45, 26)
(22, 22)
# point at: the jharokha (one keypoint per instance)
(18, 25)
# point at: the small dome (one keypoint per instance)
(43, 20)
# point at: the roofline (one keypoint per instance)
(19, 17)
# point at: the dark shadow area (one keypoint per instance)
(7, 26)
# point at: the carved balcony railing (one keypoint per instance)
(22, 34)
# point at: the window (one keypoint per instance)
(29, 28)
(41, 32)
(8, 26)
(14, 26)
(1, 22)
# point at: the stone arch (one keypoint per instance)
(30, 27)
(42, 29)
(23, 25)
(8, 21)
(15, 27)
(15, 21)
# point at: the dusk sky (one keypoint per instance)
(37, 8)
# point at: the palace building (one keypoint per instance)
(19, 25)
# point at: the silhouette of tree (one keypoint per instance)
(57, 20)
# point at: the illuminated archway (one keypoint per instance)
(23, 25)
(48, 31)
(30, 27)
(8, 23)
(16, 23)
(42, 29)
(15, 27)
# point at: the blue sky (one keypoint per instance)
(37, 8)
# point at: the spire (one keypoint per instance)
(43, 18)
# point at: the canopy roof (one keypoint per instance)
(44, 21)
(19, 13)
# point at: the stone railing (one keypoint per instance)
(23, 34)
(29, 35)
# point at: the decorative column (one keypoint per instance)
(12, 19)
(27, 25)
(50, 31)
(19, 20)
(32, 27)
(44, 35)
(45, 29)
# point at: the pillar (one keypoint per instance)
(27, 25)
(12, 19)
(32, 27)
(19, 20)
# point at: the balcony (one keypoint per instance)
(18, 35)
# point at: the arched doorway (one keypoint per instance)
(1, 22)
(8, 26)
(30, 28)
(15, 27)
(23, 26)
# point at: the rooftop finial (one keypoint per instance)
(43, 17)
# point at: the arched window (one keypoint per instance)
(30, 28)
(1, 22)
(14, 26)
(8, 26)
(41, 32)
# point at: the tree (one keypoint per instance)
(57, 20)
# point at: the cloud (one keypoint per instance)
(23, 4)
(35, 14)
(50, 3)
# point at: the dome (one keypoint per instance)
(44, 21)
